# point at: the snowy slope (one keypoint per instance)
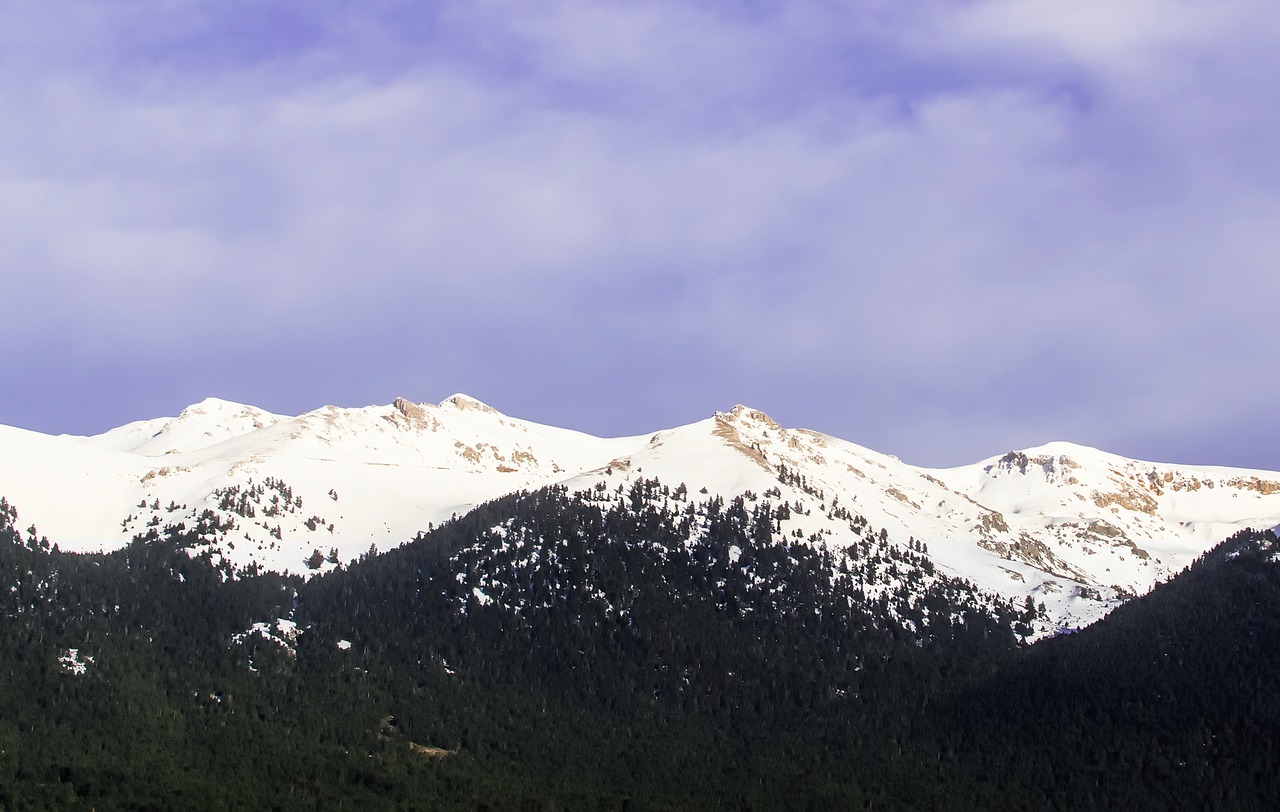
(1073, 527)
(198, 426)
(331, 478)
(70, 490)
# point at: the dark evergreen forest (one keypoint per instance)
(639, 650)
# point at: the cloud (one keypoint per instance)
(938, 230)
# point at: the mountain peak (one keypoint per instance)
(406, 407)
(412, 415)
(214, 405)
(1059, 448)
(746, 413)
(464, 403)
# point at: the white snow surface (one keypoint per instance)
(72, 662)
(1074, 527)
(282, 631)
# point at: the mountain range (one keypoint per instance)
(486, 613)
(1074, 528)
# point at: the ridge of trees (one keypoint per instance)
(640, 650)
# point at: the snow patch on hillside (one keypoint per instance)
(74, 663)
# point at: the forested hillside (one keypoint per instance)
(606, 651)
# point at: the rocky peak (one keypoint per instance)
(746, 414)
(465, 403)
(412, 415)
(408, 408)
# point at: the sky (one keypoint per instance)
(941, 230)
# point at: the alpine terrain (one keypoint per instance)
(1074, 529)
(433, 607)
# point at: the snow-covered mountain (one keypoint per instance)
(1070, 526)
(331, 478)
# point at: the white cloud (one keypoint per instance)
(940, 203)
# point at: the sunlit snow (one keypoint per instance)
(1073, 527)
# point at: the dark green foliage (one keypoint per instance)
(633, 650)
(1173, 701)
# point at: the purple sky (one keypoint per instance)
(938, 229)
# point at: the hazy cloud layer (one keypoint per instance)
(938, 229)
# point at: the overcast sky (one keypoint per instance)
(939, 229)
